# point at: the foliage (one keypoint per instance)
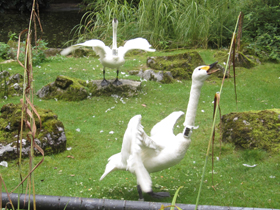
(9, 51)
(21, 5)
(182, 23)
(4, 48)
(262, 29)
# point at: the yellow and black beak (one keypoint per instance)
(209, 68)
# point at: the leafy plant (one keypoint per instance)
(182, 23)
(4, 48)
(262, 29)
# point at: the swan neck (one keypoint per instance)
(114, 36)
(193, 103)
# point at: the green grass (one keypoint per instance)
(235, 184)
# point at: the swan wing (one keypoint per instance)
(98, 47)
(136, 44)
(135, 139)
(165, 126)
(134, 143)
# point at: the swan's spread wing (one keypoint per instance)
(98, 47)
(136, 44)
(134, 142)
(135, 138)
(165, 126)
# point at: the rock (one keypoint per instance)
(221, 72)
(13, 86)
(71, 89)
(51, 137)
(127, 89)
(4, 74)
(252, 130)
(181, 65)
(64, 88)
(159, 76)
(241, 60)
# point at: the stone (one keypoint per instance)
(181, 65)
(50, 137)
(127, 89)
(158, 76)
(71, 89)
(241, 60)
(252, 130)
(13, 85)
(4, 74)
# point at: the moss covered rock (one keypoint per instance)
(241, 60)
(51, 137)
(71, 89)
(181, 65)
(252, 130)
(127, 89)
(151, 75)
(11, 85)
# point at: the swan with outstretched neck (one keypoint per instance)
(142, 154)
(112, 57)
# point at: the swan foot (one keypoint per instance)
(117, 82)
(159, 194)
(105, 83)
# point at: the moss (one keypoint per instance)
(241, 60)
(71, 89)
(253, 130)
(13, 85)
(66, 88)
(181, 66)
(51, 135)
(166, 79)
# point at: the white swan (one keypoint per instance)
(112, 58)
(141, 154)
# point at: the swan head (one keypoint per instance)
(201, 73)
(115, 23)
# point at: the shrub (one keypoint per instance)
(3, 50)
(262, 29)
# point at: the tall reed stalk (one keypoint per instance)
(178, 23)
(28, 111)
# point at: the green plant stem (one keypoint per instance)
(215, 115)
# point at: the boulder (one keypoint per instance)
(127, 89)
(71, 89)
(50, 137)
(241, 60)
(181, 65)
(13, 85)
(158, 76)
(252, 130)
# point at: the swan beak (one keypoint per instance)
(210, 69)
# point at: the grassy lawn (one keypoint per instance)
(78, 175)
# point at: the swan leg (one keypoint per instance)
(153, 194)
(104, 81)
(159, 194)
(140, 193)
(117, 82)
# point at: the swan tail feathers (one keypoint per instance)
(114, 163)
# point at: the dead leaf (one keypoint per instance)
(70, 156)
(144, 105)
